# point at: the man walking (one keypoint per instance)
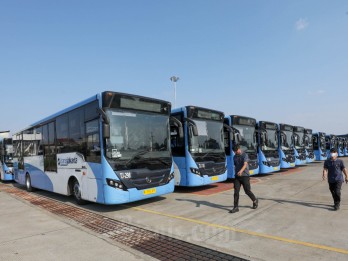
(241, 168)
(333, 169)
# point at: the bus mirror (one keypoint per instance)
(193, 126)
(106, 131)
(177, 125)
(237, 137)
(194, 130)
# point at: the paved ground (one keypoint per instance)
(294, 221)
(28, 233)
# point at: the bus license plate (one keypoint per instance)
(214, 178)
(275, 168)
(149, 191)
(292, 164)
(251, 172)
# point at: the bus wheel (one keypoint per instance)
(77, 193)
(28, 183)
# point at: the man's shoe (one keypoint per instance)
(255, 204)
(234, 210)
(337, 207)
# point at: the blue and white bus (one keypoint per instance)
(331, 142)
(244, 134)
(6, 157)
(111, 148)
(268, 147)
(340, 146)
(199, 156)
(319, 146)
(308, 141)
(345, 145)
(286, 146)
(299, 146)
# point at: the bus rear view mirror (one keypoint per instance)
(193, 126)
(174, 122)
(106, 131)
(238, 137)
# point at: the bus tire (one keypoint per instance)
(28, 185)
(76, 191)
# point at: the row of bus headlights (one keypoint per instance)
(195, 171)
(115, 183)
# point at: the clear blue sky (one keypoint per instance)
(281, 61)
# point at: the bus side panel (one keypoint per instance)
(34, 165)
(6, 173)
(180, 175)
(94, 183)
(230, 167)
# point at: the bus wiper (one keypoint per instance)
(160, 160)
(136, 156)
(217, 155)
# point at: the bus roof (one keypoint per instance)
(77, 105)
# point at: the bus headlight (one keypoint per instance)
(195, 171)
(266, 163)
(171, 176)
(115, 183)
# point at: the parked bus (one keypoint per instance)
(6, 157)
(340, 146)
(299, 146)
(331, 142)
(111, 148)
(244, 134)
(199, 157)
(286, 146)
(268, 147)
(308, 142)
(345, 145)
(319, 146)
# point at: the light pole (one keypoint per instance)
(174, 79)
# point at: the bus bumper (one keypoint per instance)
(115, 196)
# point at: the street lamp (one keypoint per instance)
(174, 79)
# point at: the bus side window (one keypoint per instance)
(17, 153)
(49, 147)
(93, 141)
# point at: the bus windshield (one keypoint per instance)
(209, 139)
(308, 141)
(299, 140)
(272, 140)
(286, 142)
(247, 135)
(138, 140)
(322, 143)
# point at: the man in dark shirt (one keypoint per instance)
(333, 169)
(241, 169)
